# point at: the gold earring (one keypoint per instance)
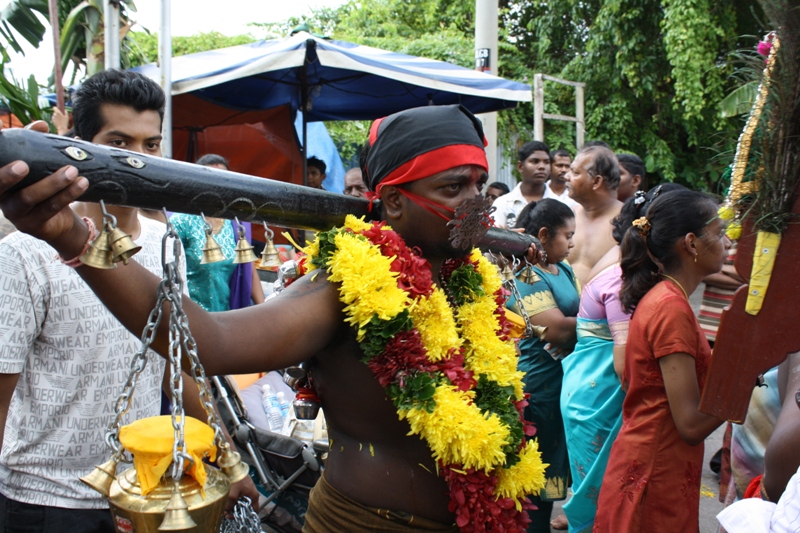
(695, 258)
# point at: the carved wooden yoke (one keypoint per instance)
(748, 345)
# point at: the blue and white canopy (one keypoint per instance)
(343, 81)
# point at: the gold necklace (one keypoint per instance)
(676, 283)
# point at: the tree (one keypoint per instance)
(83, 34)
(147, 44)
(20, 18)
(656, 71)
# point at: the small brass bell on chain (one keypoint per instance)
(212, 251)
(529, 276)
(122, 246)
(539, 331)
(507, 274)
(99, 254)
(101, 478)
(244, 250)
(176, 514)
(230, 463)
(270, 260)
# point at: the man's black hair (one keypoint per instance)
(529, 147)
(115, 87)
(213, 159)
(604, 163)
(317, 163)
(632, 163)
(499, 185)
(560, 153)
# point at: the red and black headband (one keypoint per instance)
(420, 142)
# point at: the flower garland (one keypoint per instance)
(452, 375)
(732, 209)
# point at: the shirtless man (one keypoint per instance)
(592, 182)
(377, 476)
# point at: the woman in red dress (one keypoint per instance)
(652, 482)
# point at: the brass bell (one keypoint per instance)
(539, 331)
(529, 276)
(244, 251)
(122, 247)
(176, 514)
(230, 463)
(101, 478)
(99, 254)
(269, 257)
(507, 274)
(212, 252)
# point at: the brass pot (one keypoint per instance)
(133, 512)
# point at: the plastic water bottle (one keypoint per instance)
(272, 409)
(283, 403)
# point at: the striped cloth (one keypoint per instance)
(714, 301)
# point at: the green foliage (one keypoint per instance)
(22, 99)
(492, 398)
(380, 332)
(147, 44)
(655, 73)
(416, 393)
(436, 29)
(19, 18)
(465, 284)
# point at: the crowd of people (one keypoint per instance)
(604, 400)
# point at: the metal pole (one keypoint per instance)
(580, 125)
(111, 33)
(165, 62)
(538, 107)
(57, 74)
(486, 15)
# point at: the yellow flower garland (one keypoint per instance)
(456, 431)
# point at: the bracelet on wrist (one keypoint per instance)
(75, 262)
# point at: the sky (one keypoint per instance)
(188, 17)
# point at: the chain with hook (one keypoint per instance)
(510, 284)
(182, 340)
(139, 362)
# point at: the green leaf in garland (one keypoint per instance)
(327, 246)
(465, 284)
(380, 332)
(490, 397)
(417, 392)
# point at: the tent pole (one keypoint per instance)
(165, 64)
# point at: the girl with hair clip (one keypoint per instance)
(550, 296)
(593, 414)
(652, 482)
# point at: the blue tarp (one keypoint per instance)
(321, 146)
(343, 81)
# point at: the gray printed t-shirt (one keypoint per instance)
(73, 358)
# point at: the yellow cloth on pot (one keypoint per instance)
(150, 442)
(517, 324)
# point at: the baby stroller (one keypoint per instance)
(285, 469)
